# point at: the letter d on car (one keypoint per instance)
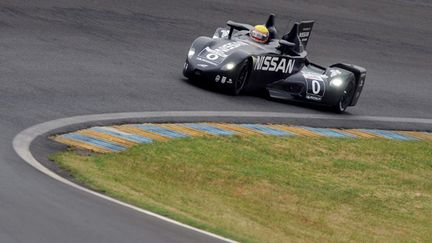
(316, 87)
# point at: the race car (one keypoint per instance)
(243, 57)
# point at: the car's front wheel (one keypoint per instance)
(346, 98)
(241, 78)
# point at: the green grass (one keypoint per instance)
(268, 189)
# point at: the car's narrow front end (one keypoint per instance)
(216, 62)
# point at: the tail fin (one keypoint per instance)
(270, 21)
(305, 29)
(293, 37)
(270, 24)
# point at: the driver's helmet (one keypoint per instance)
(259, 34)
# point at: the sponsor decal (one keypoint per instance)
(223, 33)
(305, 29)
(313, 97)
(274, 64)
(315, 86)
(216, 56)
(223, 79)
(315, 89)
(206, 61)
(309, 75)
(304, 34)
(202, 65)
(334, 72)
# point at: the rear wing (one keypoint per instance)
(305, 29)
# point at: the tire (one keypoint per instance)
(241, 78)
(346, 98)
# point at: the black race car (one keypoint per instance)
(231, 60)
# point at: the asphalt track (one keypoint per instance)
(66, 58)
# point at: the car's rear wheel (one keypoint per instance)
(346, 98)
(241, 79)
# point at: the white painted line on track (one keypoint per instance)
(23, 140)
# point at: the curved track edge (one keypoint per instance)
(23, 140)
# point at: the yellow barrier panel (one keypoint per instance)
(361, 134)
(419, 135)
(296, 130)
(183, 129)
(237, 129)
(138, 131)
(107, 137)
(81, 145)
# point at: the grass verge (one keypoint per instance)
(269, 189)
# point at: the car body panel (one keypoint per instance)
(284, 76)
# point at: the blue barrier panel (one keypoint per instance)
(122, 135)
(267, 130)
(95, 142)
(161, 131)
(209, 129)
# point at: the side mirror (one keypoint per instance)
(284, 43)
(237, 26)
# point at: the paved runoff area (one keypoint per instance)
(107, 139)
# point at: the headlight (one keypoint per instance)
(191, 52)
(229, 66)
(336, 82)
